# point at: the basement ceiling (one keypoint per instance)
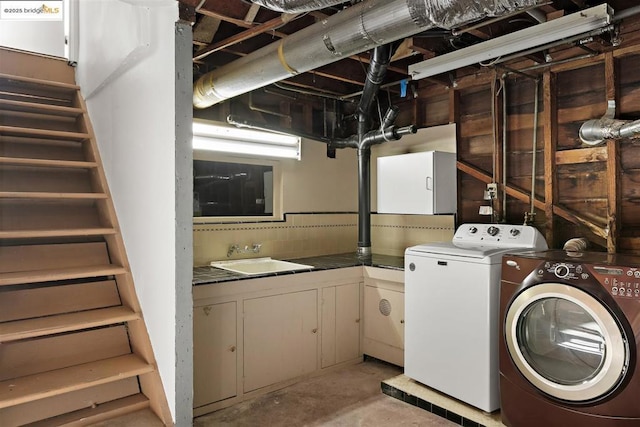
(224, 31)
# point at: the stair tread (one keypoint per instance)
(26, 106)
(40, 326)
(106, 411)
(43, 132)
(49, 195)
(70, 232)
(39, 386)
(49, 275)
(23, 161)
(30, 80)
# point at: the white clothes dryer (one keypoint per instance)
(452, 310)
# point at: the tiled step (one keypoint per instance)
(103, 412)
(76, 232)
(17, 391)
(21, 131)
(40, 326)
(26, 89)
(49, 275)
(43, 195)
(19, 161)
(34, 107)
(20, 81)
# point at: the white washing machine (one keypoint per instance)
(452, 310)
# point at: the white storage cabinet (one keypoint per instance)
(417, 183)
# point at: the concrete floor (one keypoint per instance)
(348, 397)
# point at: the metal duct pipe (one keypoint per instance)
(380, 59)
(297, 6)
(356, 29)
(595, 132)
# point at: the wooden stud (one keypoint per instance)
(550, 124)
(613, 164)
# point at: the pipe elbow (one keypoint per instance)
(594, 132)
(204, 94)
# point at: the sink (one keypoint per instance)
(255, 266)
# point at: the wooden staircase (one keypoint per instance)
(74, 349)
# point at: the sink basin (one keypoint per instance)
(255, 266)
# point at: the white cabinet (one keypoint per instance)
(340, 324)
(214, 353)
(417, 183)
(384, 315)
(280, 338)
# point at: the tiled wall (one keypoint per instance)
(392, 234)
(304, 235)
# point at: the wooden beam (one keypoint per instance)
(594, 228)
(251, 13)
(480, 175)
(243, 36)
(582, 155)
(550, 131)
(613, 164)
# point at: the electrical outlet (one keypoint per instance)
(492, 190)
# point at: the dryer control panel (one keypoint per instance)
(619, 281)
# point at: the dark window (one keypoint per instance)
(231, 189)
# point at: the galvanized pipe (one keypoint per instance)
(356, 29)
(535, 149)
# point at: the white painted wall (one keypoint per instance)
(320, 184)
(126, 69)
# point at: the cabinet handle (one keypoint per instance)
(402, 321)
(314, 330)
(232, 348)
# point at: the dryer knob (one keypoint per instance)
(514, 232)
(412, 267)
(473, 230)
(493, 230)
(561, 271)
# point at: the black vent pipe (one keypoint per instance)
(362, 142)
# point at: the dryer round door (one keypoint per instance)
(566, 343)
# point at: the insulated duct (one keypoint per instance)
(595, 132)
(356, 29)
(297, 6)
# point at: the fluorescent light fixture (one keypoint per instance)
(538, 35)
(225, 139)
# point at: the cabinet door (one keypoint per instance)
(280, 338)
(214, 353)
(340, 323)
(384, 316)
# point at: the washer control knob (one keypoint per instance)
(473, 230)
(561, 271)
(514, 232)
(493, 231)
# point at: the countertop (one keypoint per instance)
(208, 275)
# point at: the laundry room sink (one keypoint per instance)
(255, 266)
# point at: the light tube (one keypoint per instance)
(244, 141)
(538, 35)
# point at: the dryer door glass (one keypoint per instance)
(561, 341)
(565, 342)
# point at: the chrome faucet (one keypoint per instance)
(237, 249)
(232, 249)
